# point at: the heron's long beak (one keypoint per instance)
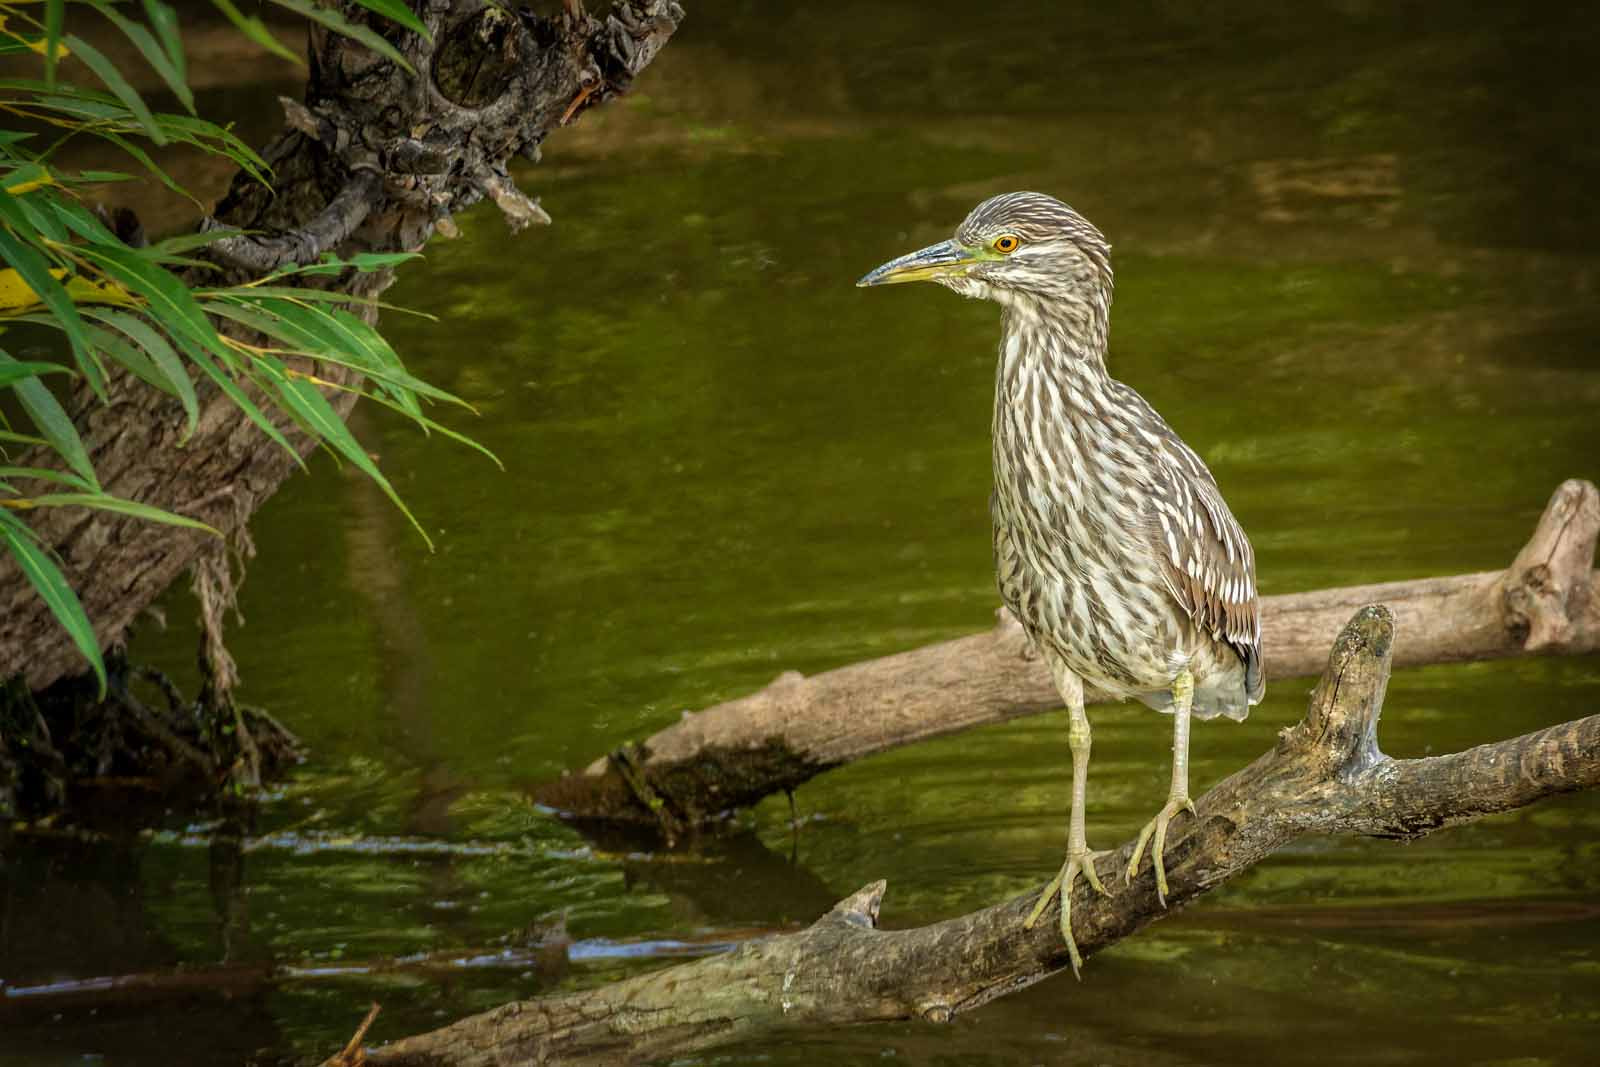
(935, 261)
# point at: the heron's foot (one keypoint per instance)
(1155, 835)
(1079, 861)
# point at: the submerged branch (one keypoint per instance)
(1325, 775)
(733, 754)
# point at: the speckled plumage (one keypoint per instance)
(1112, 544)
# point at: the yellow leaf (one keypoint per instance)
(84, 291)
(16, 297)
(36, 45)
(28, 187)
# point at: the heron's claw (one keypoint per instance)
(1155, 835)
(1078, 862)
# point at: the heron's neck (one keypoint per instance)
(1064, 338)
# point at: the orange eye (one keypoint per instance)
(1007, 244)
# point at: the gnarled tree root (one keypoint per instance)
(144, 735)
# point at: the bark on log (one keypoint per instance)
(375, 160)
(1325, 775)
(733, 754)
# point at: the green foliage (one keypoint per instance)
(122, 306)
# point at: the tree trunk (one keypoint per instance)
(733, 754)
(1325, 775)
(375, 160)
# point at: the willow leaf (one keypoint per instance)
(121, 505)
(13, 372)
(164, 21)
(308, 401)
(58, 477)
(171, 302)
(231, 389)
(256, 30)
(52, 587)
(154, 54)
(108, 73)
(336, 22)
(161, 354)
(52, 422)
(34, 269)
(55, 14)
(397, 11)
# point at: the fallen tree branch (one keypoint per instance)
(733, 754)
(1325, 775)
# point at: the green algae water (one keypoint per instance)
(1356, 269)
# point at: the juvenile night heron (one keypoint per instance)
(1112, 544)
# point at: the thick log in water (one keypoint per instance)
(1325, 775)
(733, 754)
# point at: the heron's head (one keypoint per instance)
(1019, 249)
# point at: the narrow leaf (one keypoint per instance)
(153, 53)
(256, 30)
(107, 502)
(100, 177)
(429, 424)
(254, 316)
(150, 165)
(164, 20)
(397, 11)
(82, 221)
(58, 477)
(26, 178)
(108, 73)
(34, 211)
(52, 586)
(35, 271)
(305, 398)
(52, 422)
(55, 13)
(24, 439)
(187, 242)
(231, 389)
(336, 22)
(16, 370)
(113, 345)
(171, 302)
(161, 354)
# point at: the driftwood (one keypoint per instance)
(733, 754)
(1325, 775)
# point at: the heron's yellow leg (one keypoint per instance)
(1080, 861)
(1155, 831)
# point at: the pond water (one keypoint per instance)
(1355, 252)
